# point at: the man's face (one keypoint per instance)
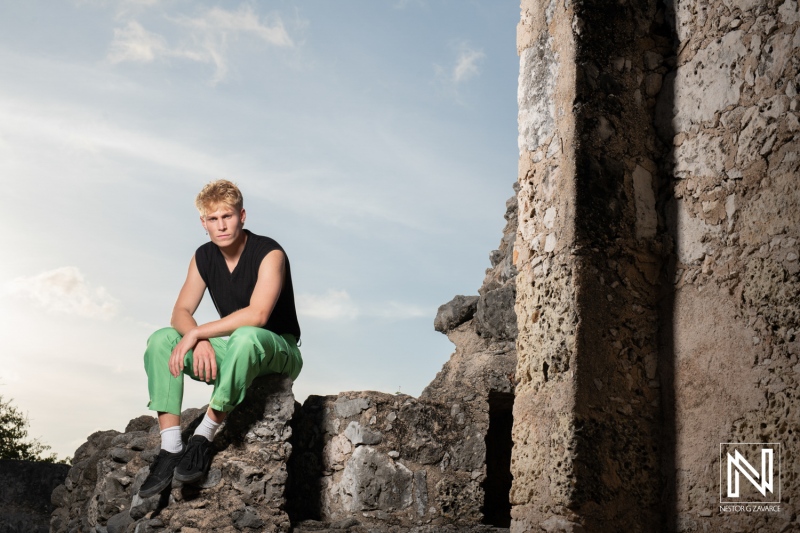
(223, 224)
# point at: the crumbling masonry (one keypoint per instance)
(657, 251)
(641, 309)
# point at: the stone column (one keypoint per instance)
(542, 461)
(589, 251)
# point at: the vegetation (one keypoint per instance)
(14, 442)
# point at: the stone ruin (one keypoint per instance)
(651, 259)
(357, 461)
(25, 489)
(658, 293)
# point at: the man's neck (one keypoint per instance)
(234, 250)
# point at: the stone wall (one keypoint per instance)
(381, 460)
(657, 294)
(25, 488)
(243, 491)
(730, 113)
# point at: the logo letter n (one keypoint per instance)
(738, 464)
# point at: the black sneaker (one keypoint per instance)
(195, 461)
(161, 472)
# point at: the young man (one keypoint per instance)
(250, 282)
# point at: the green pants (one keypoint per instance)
(248, 353)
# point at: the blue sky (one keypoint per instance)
(376, 141)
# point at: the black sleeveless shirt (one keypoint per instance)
(231, 291)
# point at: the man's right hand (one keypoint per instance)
(204, 361)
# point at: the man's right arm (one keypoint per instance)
(204, 361)
(188, 300)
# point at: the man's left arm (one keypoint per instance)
(265, 295)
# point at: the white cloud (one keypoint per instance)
(467, 64)
(64, 290)
(465, 68)
(134, 43)
(204, 39)
(216, 21)
(333, 305)
(65, 129)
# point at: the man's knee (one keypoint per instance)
(162, 339)
(159, 348)
(244, 335)
(245, 346)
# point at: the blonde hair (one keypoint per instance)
(216, 193)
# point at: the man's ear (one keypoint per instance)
(203, 222)
(243, 215)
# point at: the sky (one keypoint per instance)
(375, 140)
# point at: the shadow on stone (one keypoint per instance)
(497, 486)
(25, 494)
(304, 488)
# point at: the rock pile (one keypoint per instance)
(244, 490)
(483, 328)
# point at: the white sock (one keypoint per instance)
(207, 428)
(171, 439)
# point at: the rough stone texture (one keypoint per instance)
(493, 310)
(544, 402)
(25, 488)
(417, 467)
(478, 383)
(734, 217)
(657, 294)
(244, 490)
(455, 312)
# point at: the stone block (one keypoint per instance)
(455, 312)
(244, 488)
